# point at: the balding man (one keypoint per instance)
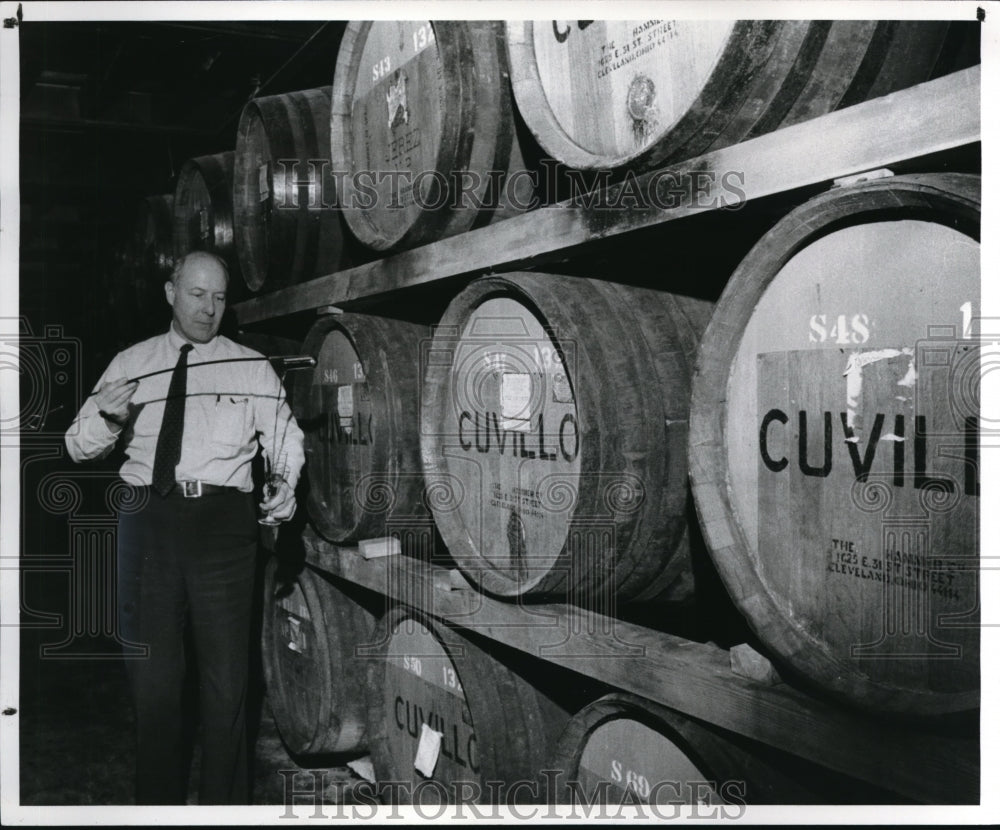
(186, 548)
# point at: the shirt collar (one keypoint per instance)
(203, 350)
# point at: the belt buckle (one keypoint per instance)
(190, 489)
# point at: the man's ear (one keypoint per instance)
(168, 288)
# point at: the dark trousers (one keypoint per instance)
(189, 559)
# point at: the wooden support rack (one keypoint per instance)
(693, 678)
(929, 118)
(918, 761)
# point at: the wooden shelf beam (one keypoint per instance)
(693, 678)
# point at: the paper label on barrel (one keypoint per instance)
(561, 390)
(395, 98)
(869, 483)
(294, 625)
(295, 603)
(515, 401)
(428, 749)
(262, 183)
(345, 402)
(297, 635)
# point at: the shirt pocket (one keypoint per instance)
(230, 423)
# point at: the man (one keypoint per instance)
(187, 543)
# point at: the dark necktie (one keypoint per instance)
(168, 445)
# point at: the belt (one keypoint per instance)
(197, 489)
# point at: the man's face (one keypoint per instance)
(198, 299)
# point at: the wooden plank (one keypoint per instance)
(928, 118)
(693, 678)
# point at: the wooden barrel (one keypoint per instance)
(358, 409)
(315, 680)
(834, 433)
(601, 94)
(449, 721)
(554, 427)
(286, 223)
(422, 125)
(203, 210)
(624, 749)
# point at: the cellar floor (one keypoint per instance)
(76, 741)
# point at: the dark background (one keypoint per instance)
(109, 113)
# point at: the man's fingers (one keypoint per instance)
(117, 391)
(113, 398)
(284, 512)
(121, 395)
(280, 506)
(121, 383)
(274, 504)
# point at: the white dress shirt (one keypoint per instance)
(228, 405)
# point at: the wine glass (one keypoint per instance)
(273, 479)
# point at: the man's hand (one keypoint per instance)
(281, 505)
(113, 397)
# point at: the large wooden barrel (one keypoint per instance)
(314, 677)
(451, 722)
(422, 124)
(601, 94)
(358, 409)
(834, 433)
(554, 427)
(203, 210)
(286, 222)
(624, 749)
